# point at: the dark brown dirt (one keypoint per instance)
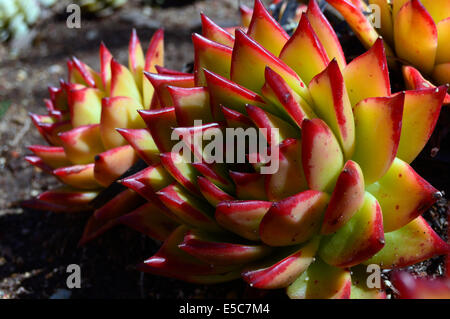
(36, 247)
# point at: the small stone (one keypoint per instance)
(92, 35)
(21, 75)
(55, 69)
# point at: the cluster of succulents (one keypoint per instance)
(100, 7)
(16, 16)
(344, 195)
(416, 32)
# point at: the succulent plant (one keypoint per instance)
(344, 195)
(86, 152)
(409, 287)
(16, 16)
(415, 31)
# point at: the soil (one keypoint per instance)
(36, 247)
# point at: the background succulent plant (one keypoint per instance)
(428, 20)
(16, 16)
(344, 195)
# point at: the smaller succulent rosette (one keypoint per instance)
(417, 32)
(85, 151)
